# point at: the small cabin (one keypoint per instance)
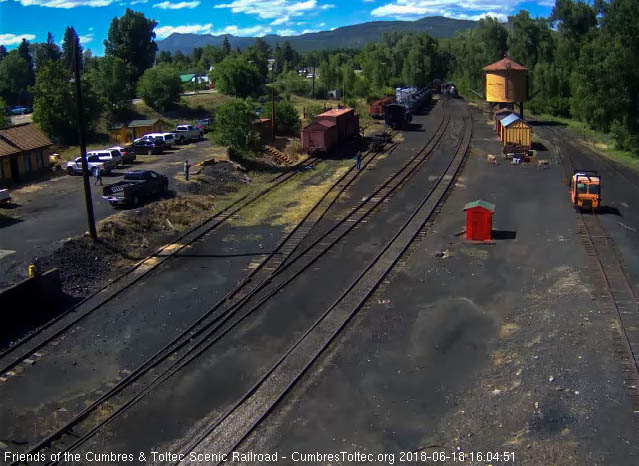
(514, 130)
(141, 127)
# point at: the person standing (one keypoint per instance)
(186, 170)
(358, 161)
(98, 176)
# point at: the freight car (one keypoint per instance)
(330, 129)
(408, 102)
(376, 108)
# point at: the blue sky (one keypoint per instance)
(91, 18)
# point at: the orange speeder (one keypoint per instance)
(585, 190)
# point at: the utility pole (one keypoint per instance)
(83, 142)
(272, 113)
(313, 81)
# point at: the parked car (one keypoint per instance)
(128, 154)
(19, 110)
(148, 146)
(184, 133)
(167, 138)
(108, 154)
(5, 197)
(135, 185)
(205, 124)
(93, 162)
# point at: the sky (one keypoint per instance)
(32, 19)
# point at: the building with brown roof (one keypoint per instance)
(22, 152)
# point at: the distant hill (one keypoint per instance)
(355, 36)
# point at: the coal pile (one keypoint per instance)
(219, 178)
(83, 264)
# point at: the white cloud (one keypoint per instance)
(86, 38)
(10, 39)
(163, 32)
(255, 31)
(91, 28)
(136, 2)
(309, 31)
(465, 9)
(270, 9)
(321, 25)
(176, 6)
(280, 20)
(65, 3)
(286, 32)
(327, 6)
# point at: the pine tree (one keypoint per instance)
(70, 37)
(226, 46)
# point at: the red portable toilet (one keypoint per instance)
(479, 220)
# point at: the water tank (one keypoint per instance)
(506, 81)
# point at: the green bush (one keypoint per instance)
(160, 87)
(287, 120)
(234, 125)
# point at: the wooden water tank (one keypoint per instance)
(506, 81)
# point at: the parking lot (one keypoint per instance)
(44, 214)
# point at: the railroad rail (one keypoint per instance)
(225, 435)
(27, 346)
(257, 275)
(618, 294)
(201, 335)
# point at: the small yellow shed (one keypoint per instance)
(516, 131)
(142, 127)
(118, 134)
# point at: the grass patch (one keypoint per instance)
(602, 143)
(288, 204)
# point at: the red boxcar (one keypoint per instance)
(346, 119)
(376, 108)
(479, 220)
(320, 136)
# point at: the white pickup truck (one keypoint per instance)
(94, 161)
(184, 133)
(5, 196)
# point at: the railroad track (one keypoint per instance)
(617, 294)
(207, 330)
(30, 345)
(226, 434)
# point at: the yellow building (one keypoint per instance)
(514, 130)
(139, 128)
(23, 151)
(506, 82)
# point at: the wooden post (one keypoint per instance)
(83, 142)
(272, 114)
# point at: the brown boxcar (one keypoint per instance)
(346, 119)
(320, 136)
(376, 108)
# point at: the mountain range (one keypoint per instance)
(355, 36)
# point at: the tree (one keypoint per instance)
(234, 125)
(46, 52)
(226, 46)
(3, 52)
(237, 77)
(4, 118)
(160, 87)
(70, 38)
(164, 57)
(25, 53)
(131, 38)
(287, 119)
(110, 79)
(54, 109)
(15, 77)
